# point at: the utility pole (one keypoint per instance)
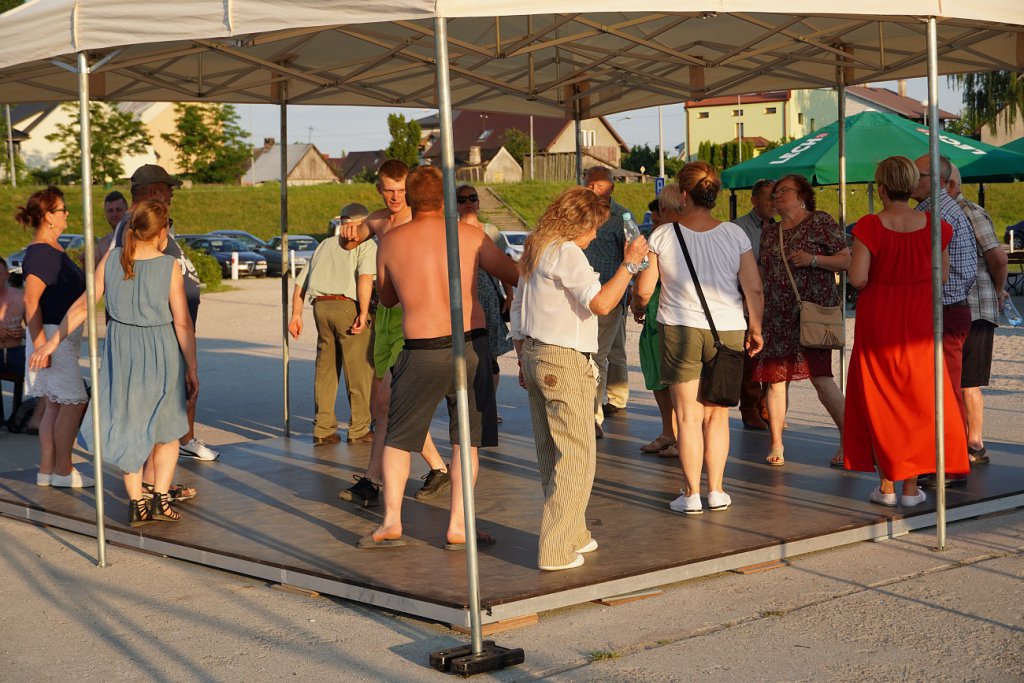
(661, 145)
(10, 147)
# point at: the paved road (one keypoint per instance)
(895, 610)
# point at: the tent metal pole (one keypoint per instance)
(579, 143)
(10, 148)
(451, 220)
(90, 296)
(933, 153)
(841, 78)
(285, 282)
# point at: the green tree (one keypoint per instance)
(113, 133)
(641, 157)
(405, 139)
(211, 147)
(9, 4)
(993, 98)
(517, 143)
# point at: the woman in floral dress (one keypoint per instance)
(816, 249)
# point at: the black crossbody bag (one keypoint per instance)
(722, 376)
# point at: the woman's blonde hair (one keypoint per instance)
(899, 176)
(575, 212)
(147, 219)
(699, 180)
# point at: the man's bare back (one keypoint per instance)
(12, 311)
(413, 270)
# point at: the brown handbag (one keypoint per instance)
(821, 327)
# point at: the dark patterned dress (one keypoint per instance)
(783, 359)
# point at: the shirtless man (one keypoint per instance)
(412, 270)
(12, 333)
(387, 343)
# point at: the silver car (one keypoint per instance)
(512, 241)
(302, 245)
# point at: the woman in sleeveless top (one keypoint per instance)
(150, 347)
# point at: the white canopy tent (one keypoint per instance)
(587, 59)
(517, 57)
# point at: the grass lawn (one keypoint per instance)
(257, 209)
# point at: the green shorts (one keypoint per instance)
(685, 350)
(387, 338)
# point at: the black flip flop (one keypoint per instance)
(482, 541)
(978, 457)
(369, 542)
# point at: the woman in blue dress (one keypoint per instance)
(149, 360)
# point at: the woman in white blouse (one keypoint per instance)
(724, 263)
(554, 325)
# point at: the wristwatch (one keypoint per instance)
(633, 268)
(814, 261)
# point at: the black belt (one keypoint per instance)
(956, 304)
(445, 342)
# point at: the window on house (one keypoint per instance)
(812, 126)
(589, 137)
(800, 118)
(737, 112)
(484, 135)
(703, 114)
(770, 110)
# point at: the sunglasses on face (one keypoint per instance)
(468, 198)
(782, 190)
(64, 210)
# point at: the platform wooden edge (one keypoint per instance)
(506, 612)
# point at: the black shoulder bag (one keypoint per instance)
(722, 377)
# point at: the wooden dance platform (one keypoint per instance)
(269, 509)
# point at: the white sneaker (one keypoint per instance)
(718, 500)
(43, 479)
(75, 480)
(911, 501)
(689, 505)
(590, 547)
(886, 499)
(197, 450)
(555, 568)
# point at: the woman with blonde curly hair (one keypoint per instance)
(554, 325)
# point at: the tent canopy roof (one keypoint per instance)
(606, 61)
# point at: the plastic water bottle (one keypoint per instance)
(632, 231)
(1011, 313)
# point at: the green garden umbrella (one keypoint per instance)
(1015, 146)
(871, 137)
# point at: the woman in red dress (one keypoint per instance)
(816, 250)
(890, 397)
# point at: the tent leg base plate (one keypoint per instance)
(462, 662)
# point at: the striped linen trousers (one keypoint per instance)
(561, 385)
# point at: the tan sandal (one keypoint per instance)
(837, 460)
(659, 444)
(776, 458)
(670, 451)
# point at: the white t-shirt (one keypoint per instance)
(553, 304)
(716, 258)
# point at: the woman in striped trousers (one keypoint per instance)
(554, 325)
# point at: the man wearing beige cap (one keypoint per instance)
(339, 282)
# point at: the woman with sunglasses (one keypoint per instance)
(52, 283)
(495, 298)
(815, 247)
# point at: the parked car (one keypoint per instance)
(302, 245)
(248, 240)
(647, 226)
(68, 240)
(221, 248)
(512, 241)
(1018, 236)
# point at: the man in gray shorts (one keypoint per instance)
(412, 270)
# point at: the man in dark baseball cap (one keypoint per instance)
(151, 174)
